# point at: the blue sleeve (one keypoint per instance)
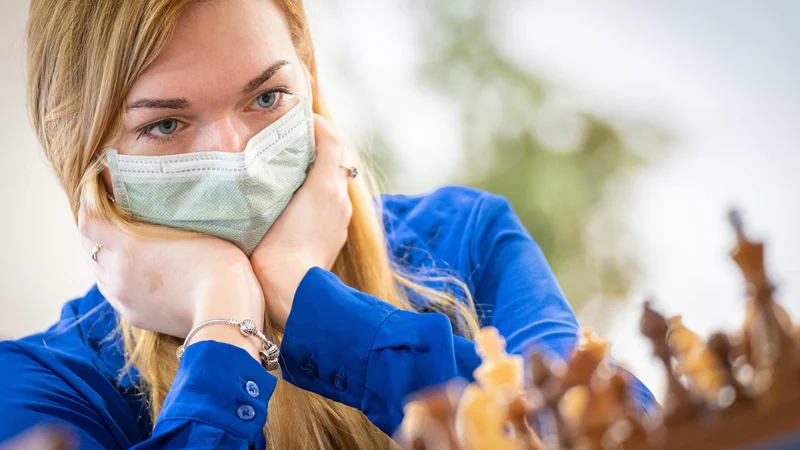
(517, 289)
(210, 404)
(359, 350)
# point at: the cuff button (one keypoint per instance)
(246, 412)
(252, 389)
(340, 381)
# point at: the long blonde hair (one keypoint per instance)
(83, 57)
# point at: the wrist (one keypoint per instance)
(280, 283)
(228, 335)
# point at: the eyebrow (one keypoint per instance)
(182, 103)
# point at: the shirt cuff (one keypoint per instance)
(220, 385)
(328, 337)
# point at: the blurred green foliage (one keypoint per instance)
(556, 164)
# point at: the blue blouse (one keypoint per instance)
(340, 343)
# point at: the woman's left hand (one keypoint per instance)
(312, 229)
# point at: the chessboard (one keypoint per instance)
(738, 390)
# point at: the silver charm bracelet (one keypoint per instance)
(269, 352)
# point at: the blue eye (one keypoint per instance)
(268, 99)
(166, 127)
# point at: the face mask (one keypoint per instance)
(233, 196)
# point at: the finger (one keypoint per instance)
(328, 143)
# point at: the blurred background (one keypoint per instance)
(622, 133)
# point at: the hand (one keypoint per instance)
(167, 285)
(312, 229)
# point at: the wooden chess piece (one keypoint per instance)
(590, 353)
(441, 408)
(44, 437)
(411, 433)
(498, 367)
(604, 408)
(680, 404)
(720, 346)
(517, 415)
(694, 360)
(768, 334)
(480, 420)
(428, 421)
(544, 414)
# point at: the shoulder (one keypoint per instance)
(440, 227)
(447, 206)
(83, 341)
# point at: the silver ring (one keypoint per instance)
(352, 171)
(95, 251)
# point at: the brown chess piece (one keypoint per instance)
(629, 429)
(680, 404)
(411, 433)
(720, 346)
(768, 334)
(544, 414)
(441, 407)
(428, 421)
(604, 408)
(44, 437)
(694, 360)
(517, 416)
(590, 353)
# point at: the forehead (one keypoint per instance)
(219, 41)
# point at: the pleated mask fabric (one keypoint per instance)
(233, 196)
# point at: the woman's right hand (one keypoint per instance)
(168, 285)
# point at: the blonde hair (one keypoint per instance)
(83, 57)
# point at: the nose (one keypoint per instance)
(227, 135)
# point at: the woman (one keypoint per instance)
(144, 108)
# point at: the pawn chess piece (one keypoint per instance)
(680, 404)
(694, 360)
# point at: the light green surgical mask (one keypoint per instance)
(233, 196)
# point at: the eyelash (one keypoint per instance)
(146, 129)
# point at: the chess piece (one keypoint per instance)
(544, 414)
(428, 421)
(720, 346)
(605, 406)
(590, 353)
(44, 437)
(680, 404)
(498, 367)
(480, 420)
(517, 416)
(411, 433)
(694, 360)
(768, 334)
